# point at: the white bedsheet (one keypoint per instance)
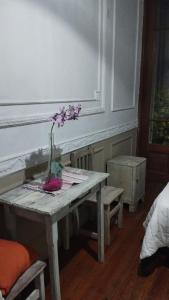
(157, 225)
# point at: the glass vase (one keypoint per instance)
(53, 181)
(51, 154)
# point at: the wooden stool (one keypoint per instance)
(113, 206)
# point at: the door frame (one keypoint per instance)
(143, 147)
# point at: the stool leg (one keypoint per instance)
(40, 285)
(107, 224)
(120, 213)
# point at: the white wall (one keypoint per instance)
(61, 52)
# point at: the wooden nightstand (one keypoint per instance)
(128, 172)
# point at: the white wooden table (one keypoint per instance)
(49, 210)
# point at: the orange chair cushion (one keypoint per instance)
(15, 258)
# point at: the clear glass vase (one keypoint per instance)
(51, 153)
(53, 180)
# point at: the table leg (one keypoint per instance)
(52, 241)
(100, 225)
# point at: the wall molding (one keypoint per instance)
(135, 92)
(9, 102)
(15, 163)
(102, 53)
(42, 118)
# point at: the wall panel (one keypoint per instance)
(126, 28)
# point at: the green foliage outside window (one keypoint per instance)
(160, 118)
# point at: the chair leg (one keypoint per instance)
(1, 298)
(66, 232)
(132, 208)
(40, 285)
(107, 224)
(120, 214)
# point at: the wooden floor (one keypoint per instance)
(83, 278)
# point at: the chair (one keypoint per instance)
(13, 280)
(81, 160)
(113, 205)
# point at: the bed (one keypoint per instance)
(156, 225)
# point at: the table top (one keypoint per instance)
(48, 204)
(126, 160)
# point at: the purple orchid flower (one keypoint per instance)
(72, 113)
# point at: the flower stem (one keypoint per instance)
(51, 148)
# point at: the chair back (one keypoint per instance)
(82, 159)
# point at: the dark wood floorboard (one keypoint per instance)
(83, 278)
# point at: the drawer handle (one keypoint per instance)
(137, 180)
